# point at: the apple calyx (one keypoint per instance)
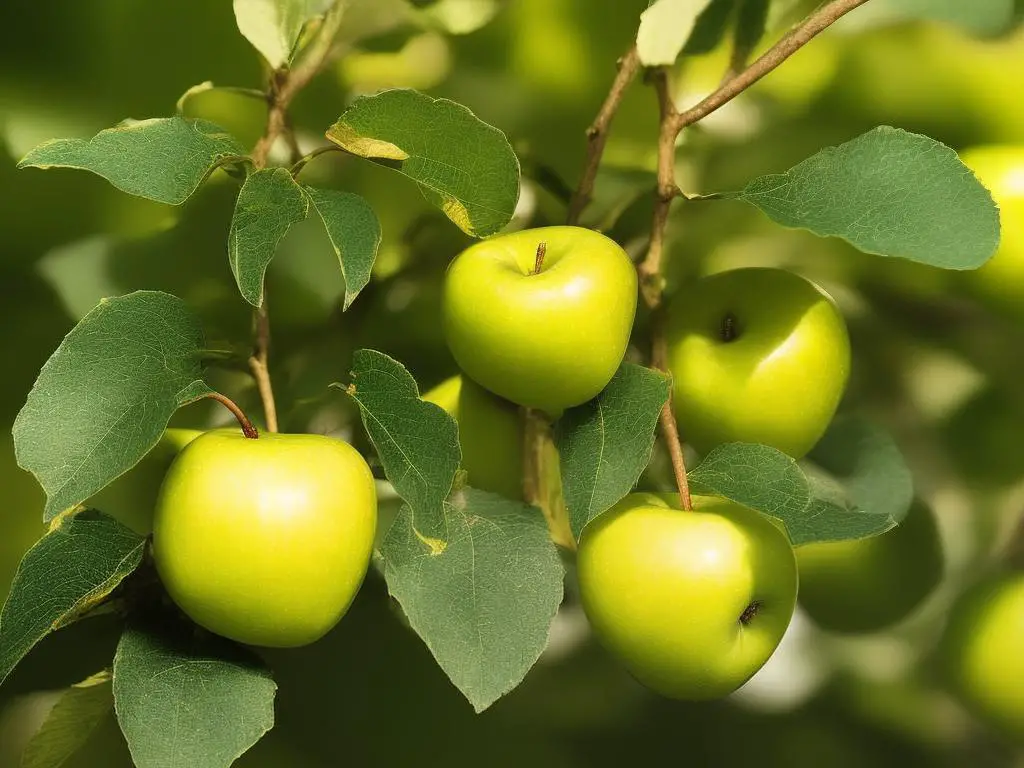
(542, 249)
(728, 331)
(750, 612)
(248, 429)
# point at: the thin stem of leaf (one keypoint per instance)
(300, 164)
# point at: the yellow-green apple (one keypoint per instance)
(131, 498)
(865, 585)
(490, 434)
(982, 650)
(541, 317)
(693, 603)
(265, 541)
(757, 356)
(1001, 279)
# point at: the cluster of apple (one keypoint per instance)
(693, 602)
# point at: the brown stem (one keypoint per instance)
(597, 133)
(259, 365)
(796, 39)
(669, 428)
(538, 262)
(247, 427)
(284, 84)
(649, 270)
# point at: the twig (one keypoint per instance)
(597, 133)
(649, 270)
(667, 419)
(796, 39)
(259, 365)
(243, 421)
(284, 84)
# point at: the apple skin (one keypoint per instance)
(665, 590)
(265, 541)
(550, 340)
(131, 498)
(856, 587)
(778, 381)
(1000, 281)
(490, 434)
(982, 651)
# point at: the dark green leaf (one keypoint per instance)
(709, 28)
(665, 27)
(65, 574)
(484, 598)
(188, 699)
(461, 164)
(615, 190)
(355, 234)
(273, 26)
(163, 159)
(769, 481)
(103, 398)
(751, 19)
(605, 444)
(868, 464)
(887, 192)
(269, 203)
(70, 723)
(418, 443)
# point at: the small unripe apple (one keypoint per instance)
(757, 356)
(693, 603)
(982, 649)
(865, 585)
(131, 498)
(541, 317)
(490, 434)
(265, 541)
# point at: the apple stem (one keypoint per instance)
(247, 426)
(542, 249)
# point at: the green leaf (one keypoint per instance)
(102, 400)
(484, 598)
(605, 443)
(461, 164)
(769, 481)
(274, 26)
(70, 723)
(188, 699)
(866, 461)
(751, 20)
(457, 17)
(983, 18)
(418, 443)
(887, 192)
(163, 159)
(268, 204)
(709, 28)
(65, 574)
(665, 27)
(355, 234)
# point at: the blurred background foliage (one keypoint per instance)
(936, 355)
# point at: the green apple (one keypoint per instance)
(547, 339)
(868, 584)
(490, 434)
(131, 498)
(757, 356)
(982, 650)
(265, 541)
(1001, 279)
(693, 603)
